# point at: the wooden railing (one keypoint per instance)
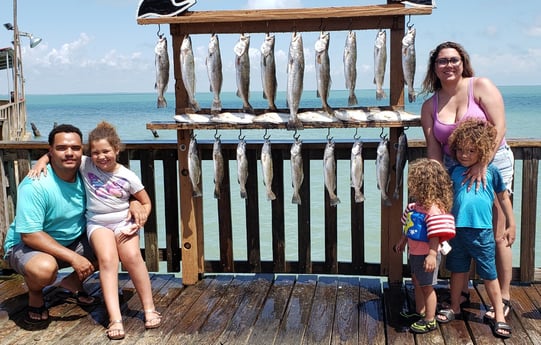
(157, 163)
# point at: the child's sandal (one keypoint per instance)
(153, 322)
(115, 333)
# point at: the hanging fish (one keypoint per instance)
(187, 66)
(266, 164)
(295, 76)
(408, 61)
(161, 62)
(218, 160)
(268, 71)
(242, 167)
(380, 61)
(383, 170)
(357, 170)
(297, 174)
(350, 66)
(194, 167)
(323, 70)
(214, 71)
(329, 172)
(401, 158)
(242, 66)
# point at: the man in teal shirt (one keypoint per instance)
(48, 232)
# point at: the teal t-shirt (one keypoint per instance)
(49, 204)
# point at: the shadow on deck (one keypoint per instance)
(266, 309)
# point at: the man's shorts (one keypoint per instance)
(19, 255)
(476, 244)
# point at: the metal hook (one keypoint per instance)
(321, 25)
(381, 135)
(295, 135)
(329, 138)
(355, 136)
(216, 136)
(158, 32)
(408, 23)
(265, 136)
(241, 137)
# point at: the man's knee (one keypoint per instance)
(41, 270)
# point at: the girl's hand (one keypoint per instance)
(430, 263)
(476, 174)
(37, 169)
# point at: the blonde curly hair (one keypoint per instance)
(474, 133)
(429, 184)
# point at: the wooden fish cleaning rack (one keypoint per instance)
(387, 16)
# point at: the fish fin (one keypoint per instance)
(243, 194)
(162, 103)
(296, 199)
(317, 94)
(271, 195)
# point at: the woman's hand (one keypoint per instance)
(477, 174)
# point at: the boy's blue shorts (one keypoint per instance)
(476, 244)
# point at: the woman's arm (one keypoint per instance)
(433, 147)
(490, 100)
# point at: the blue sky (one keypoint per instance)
(97, 46)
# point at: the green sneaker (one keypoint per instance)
(423, 326)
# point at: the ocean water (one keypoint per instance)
(131, 112)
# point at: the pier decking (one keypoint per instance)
(266, 309)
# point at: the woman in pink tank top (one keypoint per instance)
(457, 95)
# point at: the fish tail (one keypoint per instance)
(195, 105)
(217, 192)
(243, 194)
(387, 202)
(296, 199)
(196, 193)
(271, 195)
(352, 100)
(335, 201)
(380, 94)
(216, 105)
(359, 196)
(162, 103)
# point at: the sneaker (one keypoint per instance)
(423, 326)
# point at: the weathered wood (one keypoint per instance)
(171, 211)
(150, 228)
(224, 219)
(277, 212)
(287, 20)
(530, 168)
(252, 213)
(322, 314)
(304, 243)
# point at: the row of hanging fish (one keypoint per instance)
(297, 175)
(295, 70)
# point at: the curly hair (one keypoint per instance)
(474, 133)
(432, 83)
(429, 184)
(104, 130)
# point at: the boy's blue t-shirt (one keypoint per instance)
(473, 209)
(49, 204)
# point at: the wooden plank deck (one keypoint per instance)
(266, 309)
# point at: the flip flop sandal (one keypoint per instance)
(464, 304)
(501, 326)
(115, 333)
(81, 298)
(506, 309)
(36, 311)
(449, 315)
(423, 326)
(153, 322)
